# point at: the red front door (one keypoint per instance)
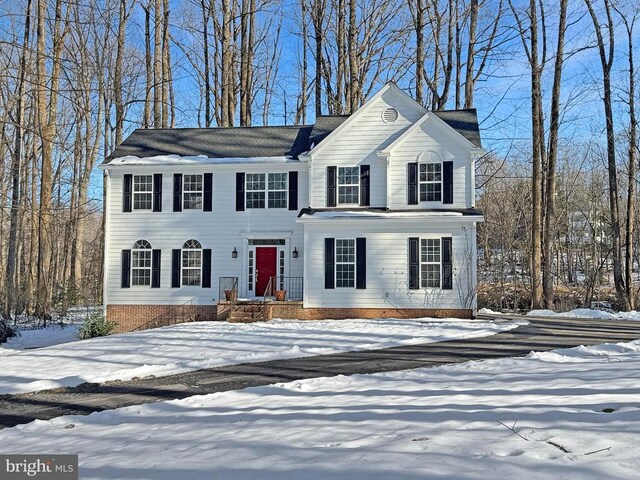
(266, 264)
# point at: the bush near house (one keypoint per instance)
(95, 325)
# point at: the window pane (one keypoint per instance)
(277, 181)
(345, 275)
(255, 199)
(191, 277)
(192, 201)
(278, 199)
(192, 183)
(349, 194)
(255, 181)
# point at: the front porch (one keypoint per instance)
(281, 298)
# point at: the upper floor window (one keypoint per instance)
(192, 263)
(430, 261)
(192, 192)
(345, 262)
(431, 182)
(141, 263)
(266, 190)
(349, 185)
(142, 192)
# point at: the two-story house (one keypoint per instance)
(367, 215)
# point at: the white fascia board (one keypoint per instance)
(391, 219)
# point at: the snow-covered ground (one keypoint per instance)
(39, 337)
(193, 346)
(577, 313)
(588, 313)
(576, 413)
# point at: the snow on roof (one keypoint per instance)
(195, 160)
(378, 214)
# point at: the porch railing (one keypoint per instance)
(284, 288)
(183, 313)
(228, 289)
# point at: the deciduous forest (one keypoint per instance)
(554, 83)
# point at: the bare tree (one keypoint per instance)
(606, 50)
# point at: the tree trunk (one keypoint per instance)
(554, 127)
(16, 172)
(157, 66)
(117, 75)
(606, 61)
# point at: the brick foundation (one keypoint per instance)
(296, 311)
(139, 317)
(134, 317)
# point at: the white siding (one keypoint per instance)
(220, 230)
(434, 138)
(358, 143)
(388, 263)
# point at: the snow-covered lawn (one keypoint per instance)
(39, 337)
(419, 424)
(199, 345)
(588, 313)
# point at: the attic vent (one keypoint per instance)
(389, 115)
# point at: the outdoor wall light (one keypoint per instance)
(294, 254)
(234, 254)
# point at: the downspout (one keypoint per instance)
(106, 210)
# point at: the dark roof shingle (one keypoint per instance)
(247, 142)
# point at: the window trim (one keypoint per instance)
(184, 249)
(185, 191)
(336, 262)
(429, 182)
(357, 185)
(135, 192)
(439, 263)
(136, 250)
(266, 190)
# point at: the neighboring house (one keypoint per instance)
(367, 215)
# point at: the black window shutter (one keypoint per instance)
(412, 183)
(157, 192)
(447, 268)
(206, 268)
(414, 263)
(126, 192)
(293, 190)
(207, 203)
(125, 265)
(177, 192)
(239, 191)
(365, 188)
(332, 181)
(447, 182)
(175, 268)
(361, 263)
(329, 262)
(155, 268)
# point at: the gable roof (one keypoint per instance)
(251, 142)
(465, 122)
(242, 142)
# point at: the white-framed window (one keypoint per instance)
(192, 192)
(345, 262)
(349, 185)
(430, 182)
(141, 264)
(430, 263)
(142, 192)
(266, 190)
(191, 263)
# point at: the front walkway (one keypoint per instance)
(540, 335)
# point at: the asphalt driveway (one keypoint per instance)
(540, 334)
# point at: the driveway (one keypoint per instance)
(540, 334)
